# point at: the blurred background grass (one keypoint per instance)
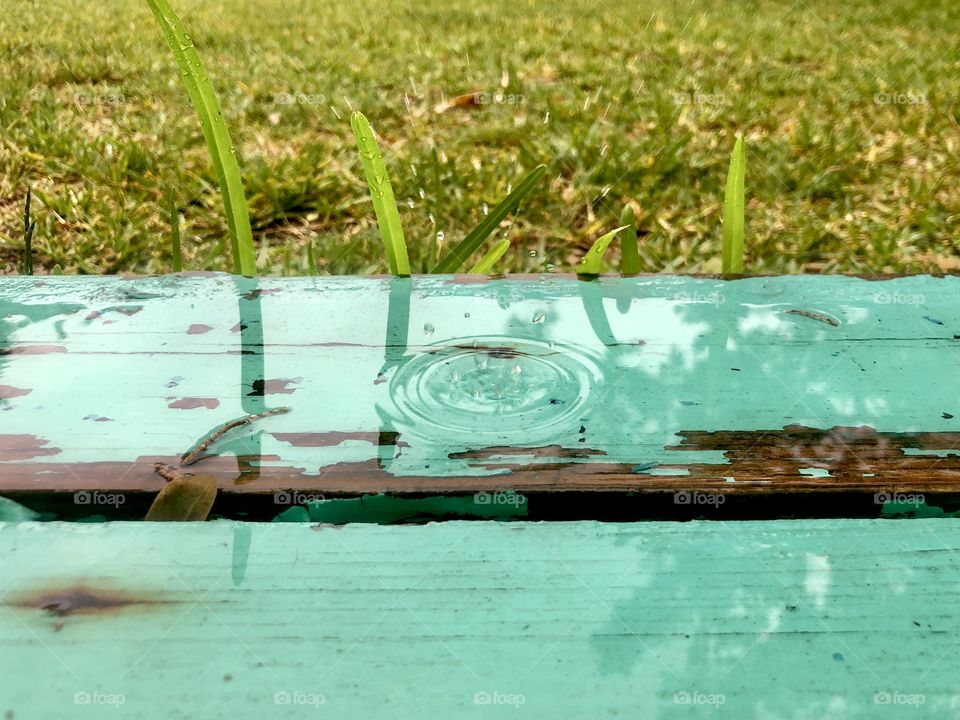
(849, 112)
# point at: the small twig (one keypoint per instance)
(814, 316)
(29, 225)
(193, 455)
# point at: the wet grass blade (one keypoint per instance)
(469, 245)
(222, 152)
(629, 250)
(733, 211)
(381, 191)
(592, 263)
(175, 233)
(29, 225)
(485, 266)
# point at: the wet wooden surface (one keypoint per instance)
(658, 389)
(784, 619)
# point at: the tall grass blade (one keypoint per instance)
(381, 191)
(311, 260)
(734, 206)
(592, 263)
(222, 152)
(469, 245)
(485, 266)
(29, 225)
(175, 232)
(629, 250)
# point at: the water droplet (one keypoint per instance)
(466, 315)
(533, 253)
(439, 236)
(428, 329)
(538, 317)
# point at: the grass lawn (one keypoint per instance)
(849, 111)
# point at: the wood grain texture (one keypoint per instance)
(641, 387)
(782, 619)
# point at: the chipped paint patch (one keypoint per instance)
(332, 439)
(193, 403)
(8, 392)
(199, 329)
(24, 447)
(275, 386)
(33, 350)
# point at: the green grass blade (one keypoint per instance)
(222, 152)
(629, 250)
(490, 259)
(29, 225)
(381, 191)
(592, 263)
(733, 211)
(175, 232)
(469, 245)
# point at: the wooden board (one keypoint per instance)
(781, 619)
(766, 396)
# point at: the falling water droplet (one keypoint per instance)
(538, 317)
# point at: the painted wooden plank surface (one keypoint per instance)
(781, 619)
(437, 385)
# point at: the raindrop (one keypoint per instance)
(538, 317)
(428, 329)
(533, 253)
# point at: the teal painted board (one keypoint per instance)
(781, 619)
(444, 384)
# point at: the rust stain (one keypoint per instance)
(332, 439)
(8, 392)
(551, 451)
(83, 599)
(199, 329)
(24, 447)
(33, 350)
(192, 403)
(275, 386)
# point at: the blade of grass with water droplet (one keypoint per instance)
(469, 245)
(177, 259)
(592, 263)
(629, 251)
(733, 211)
(490, 259)
(381, 192)
(222, 152)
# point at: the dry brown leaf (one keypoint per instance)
(189, 497)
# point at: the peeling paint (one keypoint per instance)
(193, 403)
